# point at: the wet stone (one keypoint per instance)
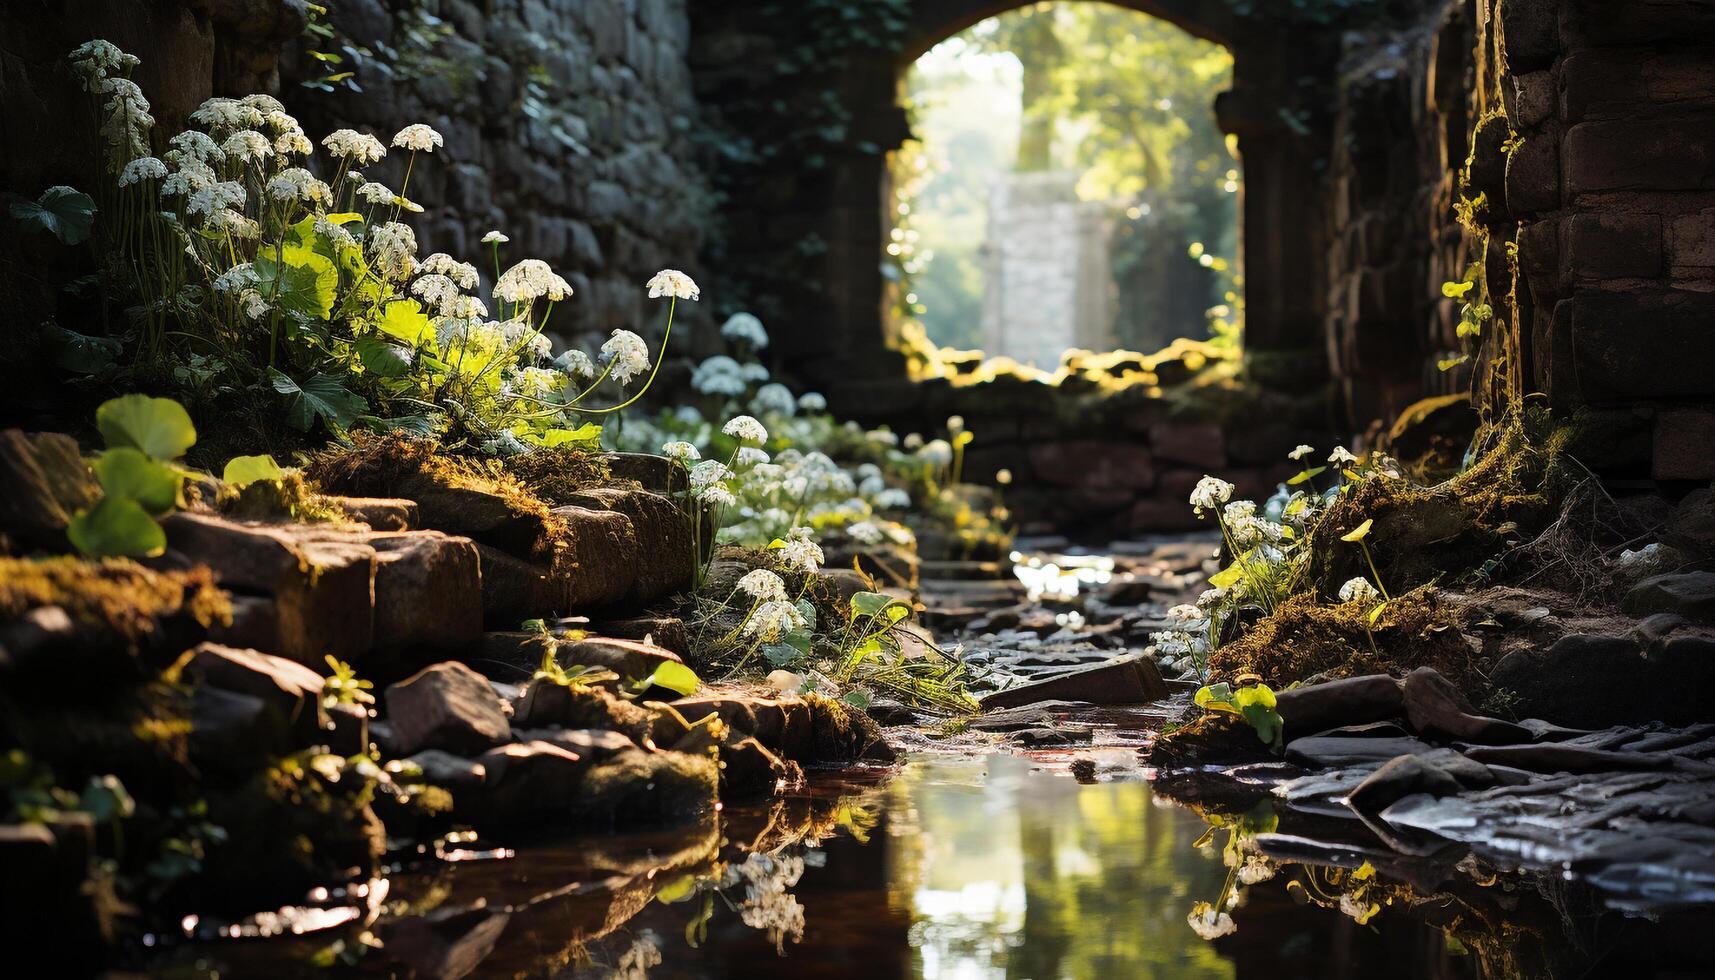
(1130, 679)
(1690, 594)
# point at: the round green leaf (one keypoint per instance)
(116, 528)
(127, 474)
(674, 677)
(241, 471)
(159, 427)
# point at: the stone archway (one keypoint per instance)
(1277, 109)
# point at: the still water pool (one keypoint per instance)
(950, 866)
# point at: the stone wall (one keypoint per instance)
(1400, 136)
(1047, 284)
(1587, 129)
(569, 125)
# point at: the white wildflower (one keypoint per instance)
(1238, 509)
(811, 401)
(376, 193)
(680, 450)
(393, 247)
(529, 281)
(672, 282)
(236, 279)
(1210, 492)
(773, 398)
(1301, 452)
(234, 224)
(627, 355)
(893, 498)
(220, 113)
(575, 363)
(936, 452)
(749, 456)
(1341, 456)
(1186, 614)
(718, 495)
(912, 442)
(718, 375)
(293, 142)
(746, 328)
(760, 583)
(443, 264)
(1359, 590)
(535, 382)
(866, 532)
(745, 429)
(801, 551)
(955, 423)
(141, 169)
(753, 371)
(1255, 870)
(298, 184)
(335, 232)
(197, 146)
(255, 305)
(1210, 923)
(417, 138)
(708, 473)
(361, 148)
(495, 238)
(773, 620)
(246, 145)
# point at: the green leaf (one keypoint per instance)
(1358, 533)
(105, 800)
(1456, 290)
(321, 397)
(866, 604)
(781, 654)
(586, 435)
(159, 427)
(1309, 474)
(1448, 364)
(677, 890)
(83, 354)
(300, 281)
(1227, 577)
(406, 321)
(63, 212)
(807, 610)
(383, 358)
(1266, 721)
(244, 470)
(1376, 613)
(674, 677)
(857, 699)
(1254, 694)
(116, 527)
(128, 474)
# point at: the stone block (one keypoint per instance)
(43, 482)
(1684, 444)
(1527, 33)
(1646, 343)
(1533, 99)
(1692, 241)
(667, 565)
(322, 587)
(1533, 175)
(1612, 245)
(1093, 464)
(380, 513)
(428, 593)
(1192, 443)
(1129, 679)
(1640, 154)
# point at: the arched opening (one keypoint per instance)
(1067, 188)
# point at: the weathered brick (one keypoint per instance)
(1693, 241)
(1533, 175)
(1532, 99)
(1647, 343)
(1529, 33)
(1641, 154)
(1613, 246)
(1684, 444)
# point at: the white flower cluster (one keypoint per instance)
(672, 282)
(745, 328)
(530, 280)
(719, 375)
(626, 354)
(744, 428)
(773, 399)
(762, 585)
(1359, 590)
(772, 620)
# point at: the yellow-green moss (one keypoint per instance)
(557, 475)
(1305, 638)
(114, 596)
(291, 498)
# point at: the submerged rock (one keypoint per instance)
(1439, 772)
(538, 783)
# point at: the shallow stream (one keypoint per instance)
(952, 866)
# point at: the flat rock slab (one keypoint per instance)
(1690, 594)
(1129, 679)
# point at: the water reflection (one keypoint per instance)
(957, 868)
